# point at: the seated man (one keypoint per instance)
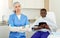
(41, 34)
(44, 29)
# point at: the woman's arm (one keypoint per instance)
(13, 29)
(17, 29)
(11, 24)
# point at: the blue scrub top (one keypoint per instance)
(15, 22)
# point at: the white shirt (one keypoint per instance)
(19, 16)
(52, 25)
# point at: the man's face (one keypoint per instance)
(43, 13)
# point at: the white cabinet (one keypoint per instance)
(31, 3)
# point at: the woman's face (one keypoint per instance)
(17, 7)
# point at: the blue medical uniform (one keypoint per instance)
(15, 22)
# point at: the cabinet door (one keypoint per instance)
(31, 3)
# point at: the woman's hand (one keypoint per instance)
(14, 29)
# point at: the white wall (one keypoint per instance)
(31, 3)
(3, 8)
(31, 14)
(55, 7)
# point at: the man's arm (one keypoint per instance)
(47, 27)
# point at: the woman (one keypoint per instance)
(17, 21)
